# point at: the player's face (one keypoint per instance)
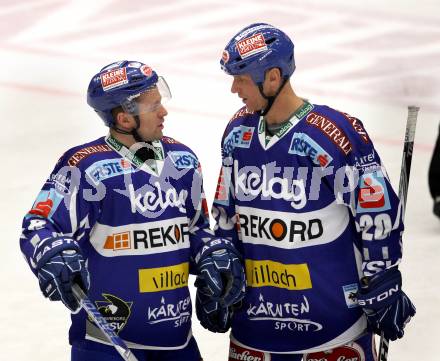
(248, 91)
(152, 119)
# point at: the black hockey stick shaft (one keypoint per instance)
(405, 170)
(103, 325)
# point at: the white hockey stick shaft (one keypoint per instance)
(405, 170)
(103, 325)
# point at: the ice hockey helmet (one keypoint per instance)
(257, 48)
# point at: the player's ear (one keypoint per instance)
(273, 80)
(122, 119)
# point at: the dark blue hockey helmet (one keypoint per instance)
(119, 84)
(257, 48)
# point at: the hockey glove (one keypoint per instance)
(387, 307)
(211, 315)
(59, 265)
(220, 272)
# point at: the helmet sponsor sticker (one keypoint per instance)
(252, 45)
(134, 64)
(146, 70)
(253, 29)
(114, 78)
(225, 56)
(163, 278)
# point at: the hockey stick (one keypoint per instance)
(405, 170)
(101, 322)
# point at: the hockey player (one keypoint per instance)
(434, 176)
(302, 194)
(124, 216)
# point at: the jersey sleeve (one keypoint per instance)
(223, 208)
(60, 210)
(199, 227)
(375, 207)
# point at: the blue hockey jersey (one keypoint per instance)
(312, 211)
(139, 226)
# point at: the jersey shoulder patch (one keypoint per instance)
(242, 112)
(74, 156)
(328, 123)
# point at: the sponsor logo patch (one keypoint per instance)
(222, 190)
(350, 352)
(373, 193)
(305, 146)
(350, 292)
(109, 168)
(357, 126)
(114, 78)
(46, 203)
(331, 130)
(251, 45)
(87, 151)
(237, 352)
(178, 312)
(141, 238)
(285, 316)
(240, 137)
(163, 278)
(240, 113)
(115, 311)
(292, 230)
(279, 275)
(184, 160)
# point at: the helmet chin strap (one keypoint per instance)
(270, 99)
(133, 132)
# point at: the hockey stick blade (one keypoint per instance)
(405, 170)
(103, 325)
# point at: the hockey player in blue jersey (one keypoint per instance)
(124, 216)
(303, 195)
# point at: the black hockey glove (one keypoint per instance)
(59, 265)
(387, 307)
(211, 315)
(220, 272)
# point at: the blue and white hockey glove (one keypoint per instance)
(387, 307)
(211, 315)
(220, 272)
(59, 265)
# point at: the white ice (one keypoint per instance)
(371, 59)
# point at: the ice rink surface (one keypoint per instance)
(371, 59)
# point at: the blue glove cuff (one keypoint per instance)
(381, 290)
(50, 247)
(214, 245)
